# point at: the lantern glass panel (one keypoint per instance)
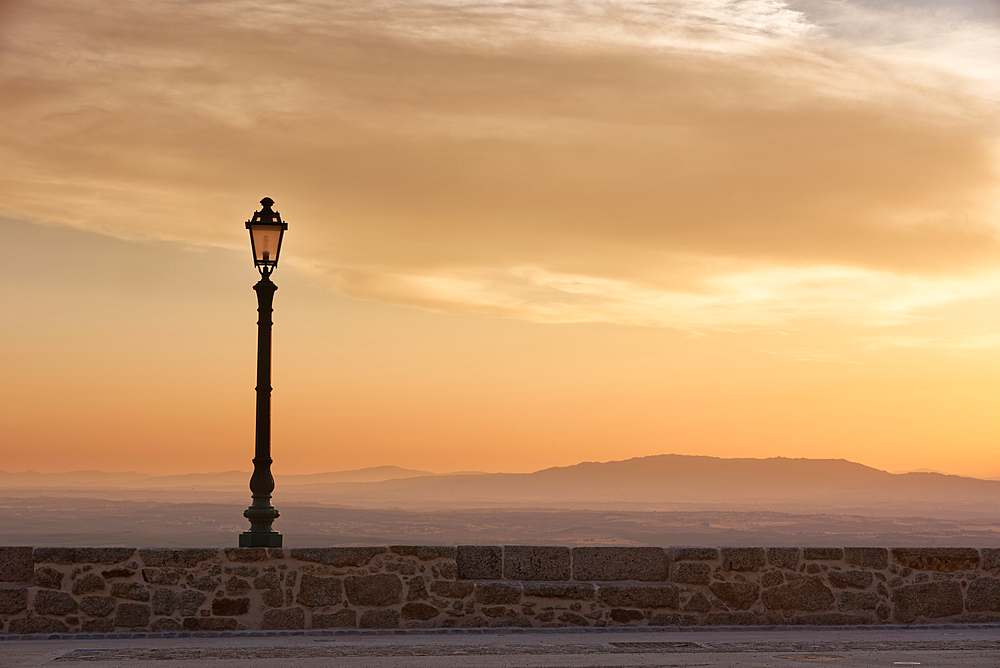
(266, 241)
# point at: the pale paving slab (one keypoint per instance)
(737, 648)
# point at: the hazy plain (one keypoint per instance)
(661, 500)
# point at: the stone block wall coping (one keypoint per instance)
(124, 589)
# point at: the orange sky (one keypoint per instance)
(520, 235)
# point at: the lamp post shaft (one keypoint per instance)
(261, 513)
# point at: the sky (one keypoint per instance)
(520, 234)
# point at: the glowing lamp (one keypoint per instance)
(266, 230)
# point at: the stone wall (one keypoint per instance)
(103, 590)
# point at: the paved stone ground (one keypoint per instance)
(967, 646)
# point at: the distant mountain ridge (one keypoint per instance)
(656, 481)
(678, 481)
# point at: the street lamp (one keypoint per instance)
(266, 230)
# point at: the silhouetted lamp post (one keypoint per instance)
(266, 230)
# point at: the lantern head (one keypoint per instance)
(266, 229)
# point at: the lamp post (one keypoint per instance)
(266, 230)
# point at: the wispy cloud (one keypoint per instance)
(955, 345)
(686, 164)
(747, 297)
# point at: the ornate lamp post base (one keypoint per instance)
(251, 539)
(261, 514)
